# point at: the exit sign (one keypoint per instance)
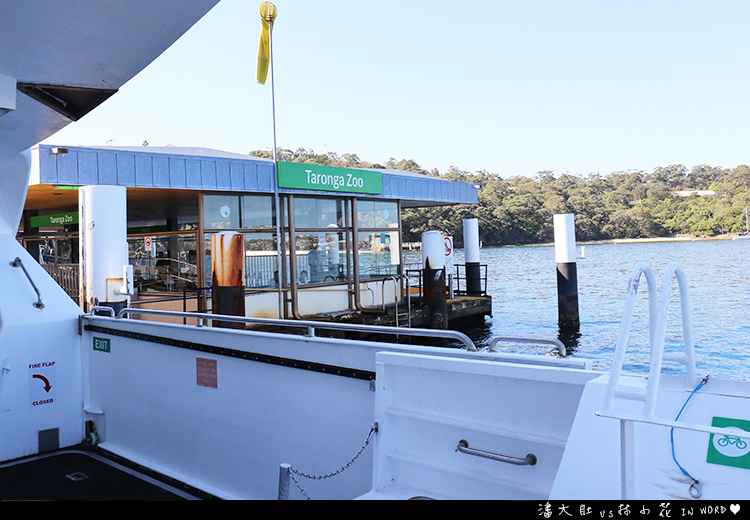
(101, 344)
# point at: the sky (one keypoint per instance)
(505, 86)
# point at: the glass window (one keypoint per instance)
(321, 257)
(221, 211)
(377, 214)
(330, 213)
(261, 260)
(378, 253)
(170, 264)
(305, 213)
(312, 213)
(51, 251)
(258, 212)
(42, 250)
(67, 251)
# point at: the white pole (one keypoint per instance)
(471, 240)
(471, 257)
(567, 275)
(433, 250)
(103, 245)
(565, 238)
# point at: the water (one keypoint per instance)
(523, 285)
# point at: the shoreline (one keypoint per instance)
(676, 238)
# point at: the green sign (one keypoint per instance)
(101, 344)
(729, 449)
(327, 178)
(59, 219)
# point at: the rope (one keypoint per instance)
(696, 487)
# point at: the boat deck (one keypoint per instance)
(81, 474)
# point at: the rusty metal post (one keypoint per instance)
(228, 276)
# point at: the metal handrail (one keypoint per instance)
(310, 325)
(458, 278)
(658, 313)
(408, 299)
(657, 334)
(17, 263)
(529, 460)
(557, 343)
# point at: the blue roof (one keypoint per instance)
(205, 169)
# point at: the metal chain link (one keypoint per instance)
(293, 471)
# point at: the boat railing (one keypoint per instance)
(658, 315)
(512, 339)
(311, 326)
(18, 263)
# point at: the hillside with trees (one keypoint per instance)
(518, 210)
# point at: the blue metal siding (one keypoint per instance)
(177, 175)
(208, 175)
(67, 169)
(88, 167)
(107, 165)
(144, 169)
(193, 176)
(222, 176)
(126, 170)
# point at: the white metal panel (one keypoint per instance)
(426, 404)
(31, 336)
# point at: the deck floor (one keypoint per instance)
(80, 475)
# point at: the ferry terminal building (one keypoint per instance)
(330, 236)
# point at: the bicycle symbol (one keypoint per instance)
(727, 440)
(731, 444)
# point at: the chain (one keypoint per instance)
(293, 472)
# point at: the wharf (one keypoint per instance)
(462, 311)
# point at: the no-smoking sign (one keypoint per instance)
(448, 253)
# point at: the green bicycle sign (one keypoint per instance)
(729, 449)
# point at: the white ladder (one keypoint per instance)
(658, 314)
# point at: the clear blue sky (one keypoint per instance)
(508, 86)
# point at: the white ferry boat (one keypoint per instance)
(104, 405)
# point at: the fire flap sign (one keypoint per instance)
(42, 383)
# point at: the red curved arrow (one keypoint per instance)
(47, 386)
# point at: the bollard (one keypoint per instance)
(433, 259)
(567, 275)
(284, 470)
(228, 276)
(471, 257)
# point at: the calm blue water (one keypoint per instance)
(522, 282)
